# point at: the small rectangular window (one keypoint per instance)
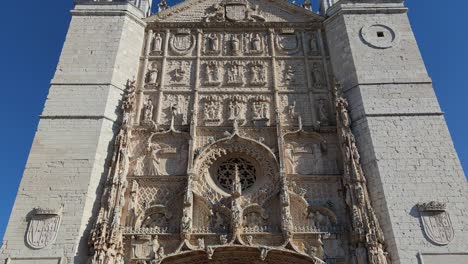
(380, 34)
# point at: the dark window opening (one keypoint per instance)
(380, 34)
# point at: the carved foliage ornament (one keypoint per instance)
(436, 222)
(43, 227)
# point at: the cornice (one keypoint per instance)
(108, 9)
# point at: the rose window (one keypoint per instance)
(227, 171)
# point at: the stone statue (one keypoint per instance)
(148, 111)
(292, 110)
(213, 42)
(235, 73)
(313, 45)
(249, 240)
(212, 72)
(264, 111)
(256, 42)
(289, 74)
(179, 72)
(154, 152)
(291, 161)
(235, 44)
(223, 239)
(212, 111)
(139, 166)
(258, 75)
(201, 243)
(317, 76)
(152, 75)
(157, 43)
(186, 222)
(155, 246)
(322, 112)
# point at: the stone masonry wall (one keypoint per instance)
(70, 149)
(405, 146)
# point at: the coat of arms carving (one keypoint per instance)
(436, 222)
(43, 227)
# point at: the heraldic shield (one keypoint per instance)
(43, 227)
(436, 223)
(235, 12)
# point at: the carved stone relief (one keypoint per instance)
(314, 48)
(254, 43)
(436, 222)
(308, 157)
(288, 43)
(238, 109)
(323, 112)
(148, 109)
(152, 76)
(257, 73)
(212, 110)
(182, 42)
(212, 43)
(234, 11)
(212, 73)
(291, 75)
(318, 77)
(157, 41)
(261, 111)
(177, 106)
(180, 72)
(166, 156)
(43, 227)
(235, 73)
(293, 106)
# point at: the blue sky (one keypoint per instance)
(33, 33)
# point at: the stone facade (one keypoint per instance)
(240, 132)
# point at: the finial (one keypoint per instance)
(237, 186)
(307, 5)
(162, 6)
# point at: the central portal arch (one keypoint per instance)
(240, 255)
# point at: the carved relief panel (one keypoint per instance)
(288, 42)
(180, 73)
(293, 106)
(177, 105)
(291, 75)
(245, 44)
(308, 156)
(249, 110)
(245, 75)
(182, 42)
(164, 154)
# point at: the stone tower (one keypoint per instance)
(240, 131)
